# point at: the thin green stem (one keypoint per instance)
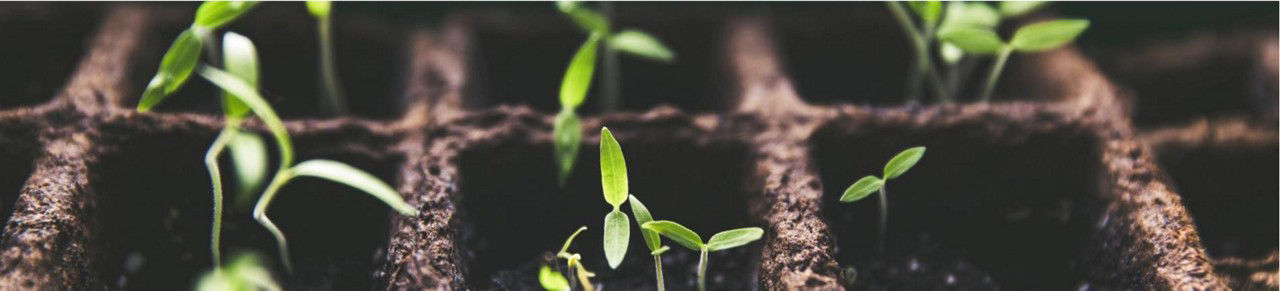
(260, 214)
(657, 266)
(612, 82)
(702, 270)
(336, 102)
(215, 176)
(923, 68)
(884, 215)
(994, 75)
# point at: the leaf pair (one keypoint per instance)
(720, 241)
(896, 166)
(613, 181)
(245, 272)
(180, 60)
(631, 41)
(1036, 37)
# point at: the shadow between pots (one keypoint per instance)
(43, 44)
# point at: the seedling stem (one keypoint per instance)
(923, 68)
(335, 100)
(994, 74)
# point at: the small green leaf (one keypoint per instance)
(902, 162)
(319, 8)
(641, 213)
(972, 40)
(577, 79)
(929, 11)
(567, 135)
(613, 169)
(733, 238)
(175, 68)
(245, 272)
(1047, 35)
(1019, 8)
(566, 5)
(951, 53)
(240, 59)
(552, 280)
(640, 44)
(676, 232)
(565, 249)
(861, 189)
(969, 14)
(345, 174)
(249, 157)
(586, 19)
(214, 14)
(617, 234)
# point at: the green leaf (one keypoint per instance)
(651, 238)
(972, 40)
(257, 104)
(552, 280)
(951, 53)
(1018, 8)
(640, 44)
(567, 135)
(676, 232)
(734, 238)
(345, 174)
(969, 14)
(577, 79)
(245, 272)
(613, 169)
(175, 68)
(215, 14)
(249, 157)
(240, 59)
(929, 11)
(565, 249)
(319, 8)
(586, 19)
(861, 189)
(617, 234)
(565, 6)
(902, 162)
(1047, 35)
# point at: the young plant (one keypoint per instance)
(567, 131)
(896, 166)
(183, 55)
(246, 272)
(921, 37)
(613, 179)
(651, 238)
(721, 241)
(331, 88)
(573, 261)
(1035, 37)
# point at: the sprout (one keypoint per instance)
(552, 280)
(331, 87)
(567, 131)
(721, 241)
(896, 166)
(651, 238)
(613, 178)
(630, 41)
(920, 38)
(245, 272)
(1036, 37)
(181, 58)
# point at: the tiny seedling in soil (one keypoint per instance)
(651, 238)
(240, 97)
(896, 166)
(245, 272)
(721, 241)
(1035, 37)
(613, 179)
(567, 131)
(552, 280)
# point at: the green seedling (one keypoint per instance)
(613, 179)
(651, 238)
(1031, 38)
(721, 241)
(551, 280)
(921, 37)
(246, 272)
(331, 87)
(896, 166)
(183, 55)
(567, 131)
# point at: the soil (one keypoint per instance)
(1067, 193)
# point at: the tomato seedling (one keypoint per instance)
(896, 166)
(720, 241)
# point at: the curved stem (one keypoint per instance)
(884, 215)
(260, 215)
(336, 102)
(215, 176)
(702, 270)
(994, 75)
(657, 266)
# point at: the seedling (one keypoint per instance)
(567, 131)
(896, 166)
(920, 38)
(651, 238)
(613, 179)
(721, 241)
(1035, 37)
(245, 272)
(331, 87)
(551, 280)
(240, 97)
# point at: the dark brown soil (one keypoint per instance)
(1054, 189)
